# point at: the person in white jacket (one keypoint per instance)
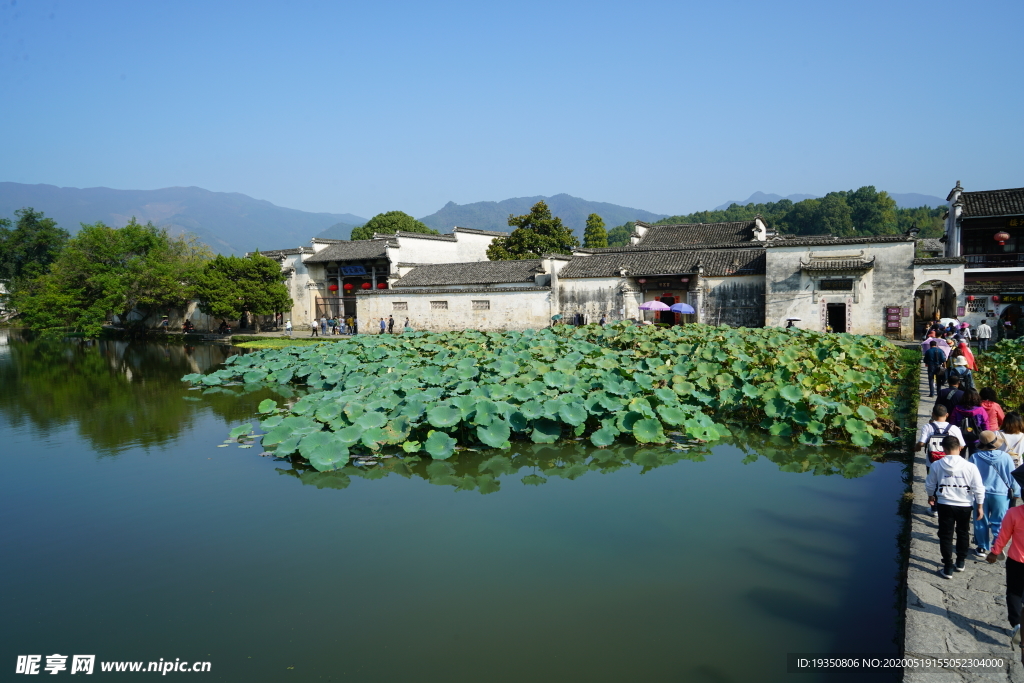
(954, 486)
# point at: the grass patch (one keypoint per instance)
(248, 342)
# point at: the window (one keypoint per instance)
(439, 305)
(484, 305)
(836, 285)
(400, 305)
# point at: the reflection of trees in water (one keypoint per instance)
(535, 464)
(117, 394)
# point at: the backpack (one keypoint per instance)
(935, 450)
(970, 431)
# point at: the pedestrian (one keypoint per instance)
(1012, 432)
(1012, 532)
(935, 362)
(961, 370)
(971, 418)
(314, 326)
(939, 341)
(288, 327)
(996, 469)
(931, 435)
(323, 325)
(391, 324)
(382, 325)
(951, 396)
(603, 320)
(965, 332)
(966, 352)
(406, 326)
(955, 487)
(992, 407)
(984, 334)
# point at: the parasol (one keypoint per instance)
(682, 308)
(653, 306)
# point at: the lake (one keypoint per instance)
(128, 534)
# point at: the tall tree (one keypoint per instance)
(230, 286)
(536, 233)
(104, 271)
(27, 250)
(619, 235)
(389, 223)
(595, 236)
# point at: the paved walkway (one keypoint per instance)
(960, 616)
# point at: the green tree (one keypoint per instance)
(619, 236)
(536, 233)
(833, 216)
(595, 236)
(229, 287)
(104, 271)
(388, 224)
(27, 250)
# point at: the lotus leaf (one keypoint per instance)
(369, 420)
(495, 435)
(444, 416)
(267, 405)
(866, 413)
(648, 430)
(862, 439)
(546, 431)
(439, 445)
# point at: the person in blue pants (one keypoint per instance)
(996, 468)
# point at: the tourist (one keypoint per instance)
(950, 396)
(931, 434)
(961, 370)
(966, 352)
(935, 362)
(1013, 435)
(406, 326)
(954, 486)
(971, 418)
(331, 323)
(288, 327)
(1012, 532)
(604, 320)
(391, 324)
(965, 332)
(984, 334)
(323, 325)
(382, 325)
(996, 468)
(994, 410)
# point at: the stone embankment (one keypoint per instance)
(965, 615)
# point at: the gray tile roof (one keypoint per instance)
(355, 250)
(825, 240)
(681, 247)
(418, 235)
(931, 244)
(281, 253)
(939, 261)
(824, 264)
(473, 273)
(637, 263)
(993, 203)
(474, 231)
(696, 233)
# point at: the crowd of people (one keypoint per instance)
(338, 325)
(974, 452)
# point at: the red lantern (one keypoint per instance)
(1001, 237)
(367, 285)
(642, 280)
(970, 297)
(333, 288)
(382, 285)
(349, 286)
(995, 298)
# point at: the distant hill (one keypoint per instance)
(909, 200)
(494, 215)
(229, 222)
(339, 231)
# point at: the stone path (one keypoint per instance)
(960, 616)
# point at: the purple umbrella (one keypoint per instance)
(682, 308)
(653, 306)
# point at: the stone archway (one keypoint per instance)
(933, 299)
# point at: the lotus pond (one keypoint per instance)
(130, 535)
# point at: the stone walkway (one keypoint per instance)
(960, 616)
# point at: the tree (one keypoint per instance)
(388, 224)
(104, 271)
(619, 236)
(536, 233)
(230, 287)
(872, 212)
(29, 249)
(595, 236)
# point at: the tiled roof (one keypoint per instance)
(279, 253)
(682, 247)
(825, 264)
(472, 273)
(417, 235)
(696, 233)
(639, 263)
(355, 250)
(825, 240)
(993, 203)
(931, 244)
(474, 231)
(939, 261)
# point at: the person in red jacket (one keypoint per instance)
(1012, 532)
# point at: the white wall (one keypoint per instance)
(509, 310)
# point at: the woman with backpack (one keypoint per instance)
(994, 410)
(959, 369)
(971, 418)
(1013, 436)
(996, 468)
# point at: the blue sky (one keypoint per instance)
(367, 107)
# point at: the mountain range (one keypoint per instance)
(234, 223)
(908, 200)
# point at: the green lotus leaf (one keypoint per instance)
(518, 421)
(666, 396)
(573, 413)
(412, 446)
(855, 426)
(444, 416)
(497, 465)
(648, 430)
(546, 431)
(350, 435)
(240, 430)
(815, 427)
(373, 437)
(862, 439)
(439, 445)
(267, 405)
(781, 429)
(324, 451)
(369, 420)
(288, 446)
(604, 437)
(532, 410)
(791, 393)
(465, 404)
(625, 420)
(672, 415)
(495, 435)
(866, 413)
